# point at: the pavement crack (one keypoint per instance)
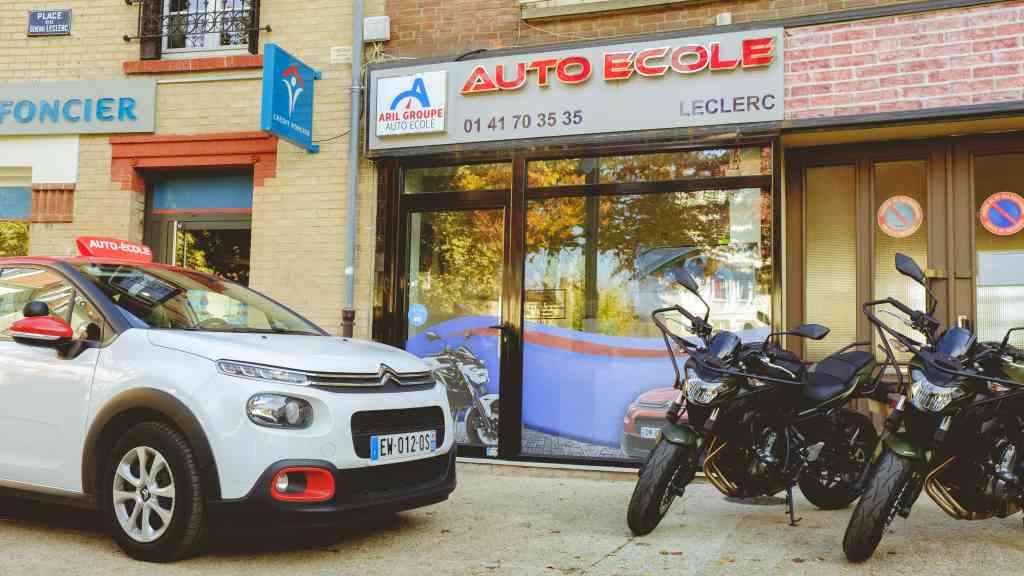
(608, 555)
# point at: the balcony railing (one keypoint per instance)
(170, 26)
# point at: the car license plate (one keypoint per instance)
(649, 432)
(396, 446)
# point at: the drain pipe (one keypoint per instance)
(348, 313)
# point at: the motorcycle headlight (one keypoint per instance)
(477, 375)
(700, 391)
(928, 397)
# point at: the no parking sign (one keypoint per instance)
(900, 216)
(1003, 213)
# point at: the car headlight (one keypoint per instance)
(700, 391)
(257, 372)
(279, 411)
(928, 397)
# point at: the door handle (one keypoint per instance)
(503, 327)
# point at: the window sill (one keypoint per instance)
(208, 64)
(530, 11)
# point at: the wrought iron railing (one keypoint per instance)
(187, 25)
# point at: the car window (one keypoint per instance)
(154, 296)
(19, 286)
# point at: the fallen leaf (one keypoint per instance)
(799, 560)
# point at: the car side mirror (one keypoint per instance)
(43, 331)
(906, 266)
(812, 331)
(35, 309)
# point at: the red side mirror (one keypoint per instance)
(41, 331)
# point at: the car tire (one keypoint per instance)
(159, 515)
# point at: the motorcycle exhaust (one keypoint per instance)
(714, 474)
(941, 496)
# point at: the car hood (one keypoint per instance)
(298, 352)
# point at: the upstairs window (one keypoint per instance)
(191, 28)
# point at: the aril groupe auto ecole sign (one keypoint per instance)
(667, 83)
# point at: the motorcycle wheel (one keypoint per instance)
(476, 429)
(826, 488)
(669, 464)
(877, 507)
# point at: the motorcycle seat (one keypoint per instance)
(834, 375)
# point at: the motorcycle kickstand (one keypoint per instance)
(793, 521)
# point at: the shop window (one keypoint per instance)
(999, 242)
(661, 167)
(15, 210)
(461, 178)
(189, 28)
(595, 270)
(202, 220)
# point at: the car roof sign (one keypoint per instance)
(100, 247)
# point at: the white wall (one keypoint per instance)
(53, 159)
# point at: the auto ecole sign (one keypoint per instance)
(729, 78)
(287, 105)
(102, 247)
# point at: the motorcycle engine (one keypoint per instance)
(1001, 492)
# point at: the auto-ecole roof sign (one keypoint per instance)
(728, 78)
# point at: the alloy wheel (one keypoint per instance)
(143, 493)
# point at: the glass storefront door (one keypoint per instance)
(455, 281)
(455, 274)
(998, 182)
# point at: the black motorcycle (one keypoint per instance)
(957, 431)
(759, 421)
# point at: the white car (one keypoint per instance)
(169, 399)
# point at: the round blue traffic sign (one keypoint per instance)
(417, 315)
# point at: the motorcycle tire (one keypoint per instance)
(653, 495)
(877, 507)
(475, 423)
(841, 494)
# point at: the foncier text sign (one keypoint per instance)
(667, 83)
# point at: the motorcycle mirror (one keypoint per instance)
(1006, 339)
(684, 279)
(906, 266)
(812, 331)
(432, 336)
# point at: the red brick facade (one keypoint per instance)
(912, 62)
(421, 28)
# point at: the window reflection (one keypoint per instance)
(594, 273)
(459, 178)
(713, 163)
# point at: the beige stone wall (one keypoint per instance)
(298, 216)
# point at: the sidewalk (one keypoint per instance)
(503, 523)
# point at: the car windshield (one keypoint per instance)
(167, 298)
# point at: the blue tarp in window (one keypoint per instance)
(203, 192)
(15, 202)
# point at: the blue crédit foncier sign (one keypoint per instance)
(287, 108)
(82, 107)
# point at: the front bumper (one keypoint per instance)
(375, 490)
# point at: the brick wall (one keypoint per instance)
(928, 60)
(421, 28)
(298, 216)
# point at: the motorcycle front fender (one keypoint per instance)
(902, 446)
(682, 434)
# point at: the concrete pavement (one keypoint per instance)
(501, 524)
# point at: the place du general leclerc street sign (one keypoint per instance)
(287, 105)
(49, 22)
(688, 81)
